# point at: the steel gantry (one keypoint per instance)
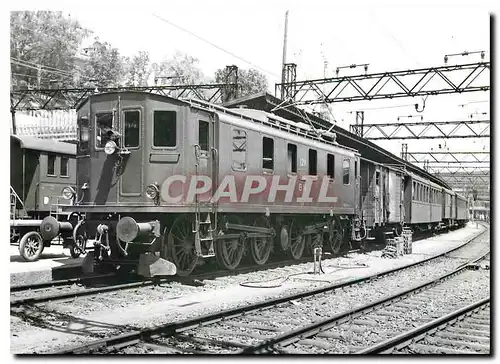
(388, 85)
(423, 130)
(480, 158)
(65, 99)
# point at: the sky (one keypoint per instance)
(387, 35)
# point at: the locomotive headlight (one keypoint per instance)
(68, 193)
(110, 147)
(152, 191)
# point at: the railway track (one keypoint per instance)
(75, 288)
(463, 331)
(262, 326)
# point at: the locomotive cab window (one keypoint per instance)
(104, 128)
(330, 166)
(64, 167)
(203, 134)
(132, 128)
(83, 133)
(239, 150)
(346, 166)
(165, 129)
(51, 165)
(268, 154)
(313, 162)
(292, 158)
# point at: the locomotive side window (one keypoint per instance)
(165, 129)
(268, 153)
(330, 166)
(346, 166)
(132, 128)
(313, 162)
(239, 150)
(51, 165)
(292, 158)
(64, 167)
(203, 134)
(83, 133)
(104, 127)
(356, 169)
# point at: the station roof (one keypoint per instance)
(44, 145)
(368, 149)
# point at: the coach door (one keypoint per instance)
(130, 159)
(377, 195)
(206, 151)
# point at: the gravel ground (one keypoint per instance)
(83, 319)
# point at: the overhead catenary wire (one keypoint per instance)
(215, 45)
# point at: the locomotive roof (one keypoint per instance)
(44, 145)
(267, 102)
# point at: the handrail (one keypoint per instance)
(13, 193)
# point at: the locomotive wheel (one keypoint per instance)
(180, 245)
(335, 236)
(230, 251)
(260, 248)
(31, 246)
(297, 241)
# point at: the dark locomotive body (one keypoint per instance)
(39, 171)
(140, 157)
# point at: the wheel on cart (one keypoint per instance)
(31, 246)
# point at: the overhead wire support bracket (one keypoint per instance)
(373, 86)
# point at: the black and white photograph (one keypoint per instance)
(246, 178)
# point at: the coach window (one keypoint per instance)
(346, 166)
(313, 162)
(164, 129)
(203, 134)
(268, 154)
(377, 178)
(64, 167)
(51, 165)
(132, 128)
(356, 174)
(414, 190)
(292, 158)
(330, 165)
(104, 128)
(239, 150)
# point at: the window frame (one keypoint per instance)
(67, 167)
(309, 164)
(55, 162)
(328, 164)
(246, 149)
(95, 127)
(290, 170)
(132, 109)
(267, 170)
(208, 135)
(348, 160)
(153, 146)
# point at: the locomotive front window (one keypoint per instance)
(132, 128)
(203, 134)
(165, 129)
(104, 128)
(51, 165)
(313, 162)
(292, 158)
(268, 153)
(330, 166)
(64, 167)
(346, 166)
(239, 150)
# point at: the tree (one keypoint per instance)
(138, 70)
(104, 67)
(251, 81)
(43, 46)
(180, 69)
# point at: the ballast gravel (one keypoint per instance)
(82, 319)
